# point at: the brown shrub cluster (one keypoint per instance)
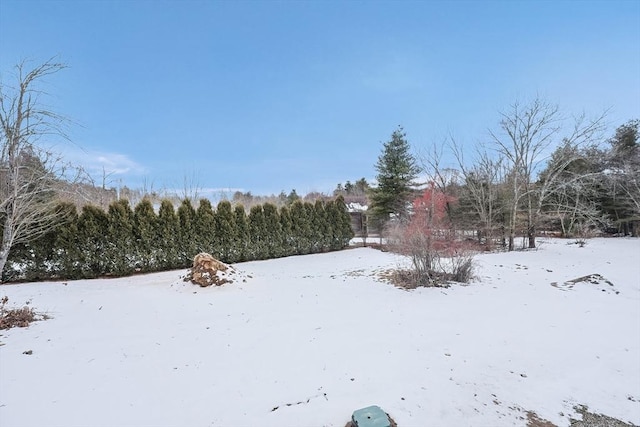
(17, 317)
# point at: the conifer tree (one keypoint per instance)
(33, 257)
(292, 197)
(225, 232)
(65, 255)
(334, 237)
(167, 237)
(273, 229)
(205, 226)
(287, 232)
(315, 228)
(300, 228)
(241, 242)
(53, 254)
(120, 237)
(322, 227)
(93, 225)
(397, 170)
(187, 242)
(343, 222)
(621, 199)
(257, 233)
(144, 226)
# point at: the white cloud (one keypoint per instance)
(118, 164)
(104, 163)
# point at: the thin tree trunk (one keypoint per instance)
(5, 246)
(512, 226)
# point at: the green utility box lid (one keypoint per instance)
(371, 416)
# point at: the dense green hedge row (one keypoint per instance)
(123, 241)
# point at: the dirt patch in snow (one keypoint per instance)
(592, 279)
(533, 420)
(589, 419)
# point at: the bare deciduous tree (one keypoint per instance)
(569, 187)
(528, 132)
(28, 173)
(481, 187)
(444, 178)
(528, 136)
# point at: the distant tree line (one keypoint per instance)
(536, 173)
(123, 241)
(353, 193)
(572, 185)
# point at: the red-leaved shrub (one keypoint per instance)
(430, 241)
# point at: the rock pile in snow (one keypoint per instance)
(207, 271)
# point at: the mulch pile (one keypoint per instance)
(208, 271)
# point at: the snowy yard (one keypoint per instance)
(306, 340)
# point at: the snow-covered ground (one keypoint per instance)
(306, 340)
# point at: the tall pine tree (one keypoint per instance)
(397, 171)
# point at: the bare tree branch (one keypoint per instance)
(529, 134)
(28, 174)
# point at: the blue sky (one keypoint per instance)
(265, 96)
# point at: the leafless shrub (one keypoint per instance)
(462, 265)
(437, 255)
(17, 317)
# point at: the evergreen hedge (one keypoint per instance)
(122, 240)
